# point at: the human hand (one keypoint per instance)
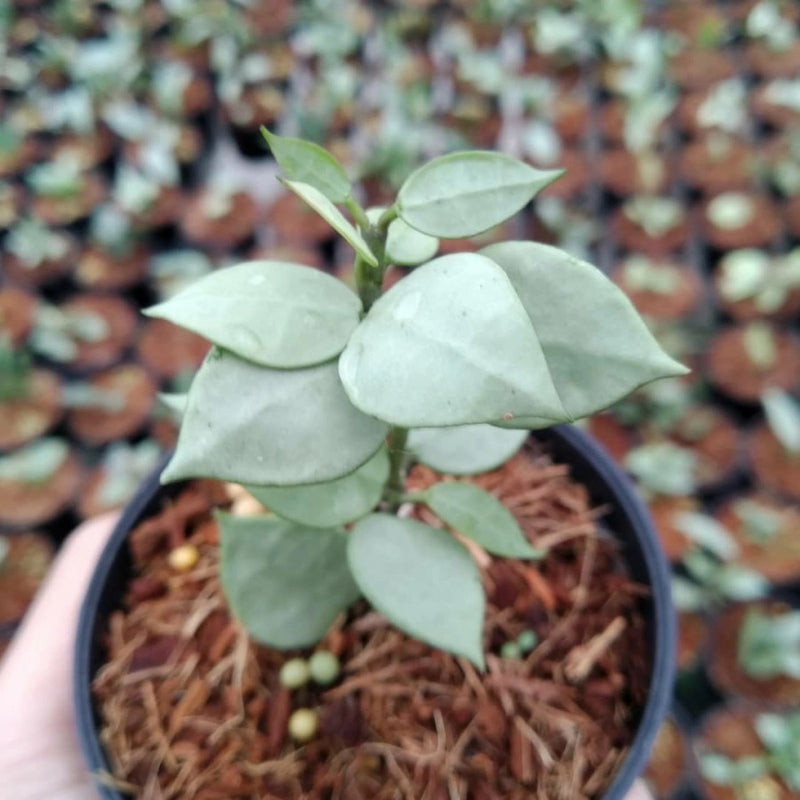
(40, 758)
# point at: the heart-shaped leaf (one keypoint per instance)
(465, 449)
(422, 579)
(596, 345)
(405, 246)
(450, 344)
(286, 583)
(263, 426)
(328, 211)
(309, 163)
(465, 193)
(271, 312)
(481, 517)
(332, 503)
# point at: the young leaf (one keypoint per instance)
(271, 312)
(481, 517)
(252, 424)
(465, 449)
(688, 596)
(286, 583)
(309, 163)
(596, 346)
(174, 403)
(407, 247)
(328, 211)
(404, 245)
(466, 193)
(422, 579)
(774, 731)
(783, 417)
(335, 502)
(717, 768)
(448, 345)
(663, 467)
(739, 583)
(708, 533)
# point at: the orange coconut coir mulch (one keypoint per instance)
(192, 708)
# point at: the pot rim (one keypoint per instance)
(664, 624)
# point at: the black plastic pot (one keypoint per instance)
(628, 521)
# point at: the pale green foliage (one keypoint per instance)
(780, 737)
(328, 211)
(460, 346)
(465, 449)
(769, 645)
(335, 502)
(596, 347)
(311, 164)
(481, 517)
(422, 579)
(287, 583)
(462, 194)
(36, 463)
(258, 425)
(269, 312)
(306, 382)
(712, 574)
(783, 417)
(663, 467)
(404, 245)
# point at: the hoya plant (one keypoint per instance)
(711, 575)
(769, 646)
(317, 398)
(15, 372)
(783, 417)
(780, 737)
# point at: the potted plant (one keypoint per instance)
(310, 401)
(748, 753)
(29, 398)
(774, 445)
(38, 482)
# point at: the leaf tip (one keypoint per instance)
(477, 659)
(552, 175)
(172, 472)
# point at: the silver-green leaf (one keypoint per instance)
(466, 193)
(481, 517)
(309, 163)
(405, 246)
(286, 583)
(328, 211)
(783, 417)
(465, 449)
(596, 346)
(174, 403)
(252, 424)
(450, 344)
(422, 579)
(335, 502)
(271, 312)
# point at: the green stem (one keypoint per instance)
(395, 486)
(368, 281)
(405, 497)
(359, 215)
(387, 218)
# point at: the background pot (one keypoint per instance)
(589, 464)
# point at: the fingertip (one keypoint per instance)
(639, 792)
